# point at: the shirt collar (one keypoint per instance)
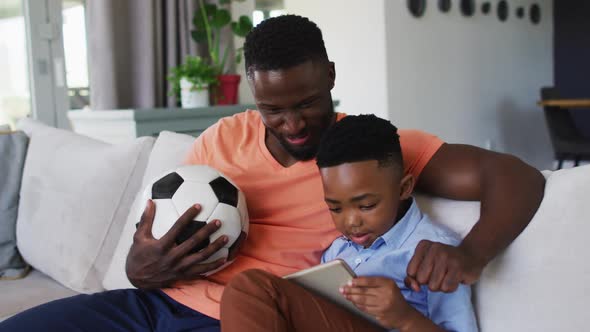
(399, 233)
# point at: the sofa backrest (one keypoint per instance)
(540, 282)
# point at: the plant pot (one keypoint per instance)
(226, 92)
(191, 97)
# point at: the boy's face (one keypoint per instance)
(364, 198)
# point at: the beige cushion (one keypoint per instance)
(169, 152)
(75, 196)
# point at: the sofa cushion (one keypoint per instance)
(169, 152)
(540, 282)
(36, 288)
(75, 196)
(13, 149)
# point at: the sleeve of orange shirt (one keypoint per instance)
(418, 148)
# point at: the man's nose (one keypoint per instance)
(293, 122)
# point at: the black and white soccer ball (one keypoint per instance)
(177, 190)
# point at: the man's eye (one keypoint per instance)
(335, 210)
(307, 104)
(269, 110)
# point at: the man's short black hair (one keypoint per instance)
(360, 138)
(283, 42)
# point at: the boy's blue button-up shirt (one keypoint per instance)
(389, 256)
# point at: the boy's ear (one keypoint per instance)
(406, 186)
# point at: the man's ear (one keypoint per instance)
(407, 186)
(332, 73)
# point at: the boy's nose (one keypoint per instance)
(353, 221)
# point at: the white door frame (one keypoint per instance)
(47, 73)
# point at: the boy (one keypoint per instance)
(370, 201)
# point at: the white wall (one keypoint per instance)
(354, 34)
(469, 80)
(472, 80)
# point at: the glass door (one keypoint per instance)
(34, 64)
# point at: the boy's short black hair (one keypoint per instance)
(283, 42)
(360, 138)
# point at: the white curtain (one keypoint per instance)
(132, 46)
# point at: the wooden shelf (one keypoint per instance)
(566, 103)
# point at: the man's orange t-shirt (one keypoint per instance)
(290, 225)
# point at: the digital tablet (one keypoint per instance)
(325, 280)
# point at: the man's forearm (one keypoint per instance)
(510, 192)
(510, 196)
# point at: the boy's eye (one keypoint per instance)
(368, 207)
(335, 210)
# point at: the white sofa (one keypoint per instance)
(78, 209)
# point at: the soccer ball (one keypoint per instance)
(177, 190)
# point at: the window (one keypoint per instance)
(75, 52)
(267, 8)
(15, 100)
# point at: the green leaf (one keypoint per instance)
(221, 18)
(243, 26)
(199, 35)
(210, 11)
(224, 2)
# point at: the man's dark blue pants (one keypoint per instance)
(118, 310)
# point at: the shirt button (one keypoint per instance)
(358, 260)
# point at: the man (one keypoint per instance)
(269, 154)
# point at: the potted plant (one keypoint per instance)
(208, 20)
(191, 81)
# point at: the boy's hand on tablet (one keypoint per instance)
(379, 297)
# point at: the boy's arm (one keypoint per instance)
(510, 192)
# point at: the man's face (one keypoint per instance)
(364, 198)
(296, 107)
